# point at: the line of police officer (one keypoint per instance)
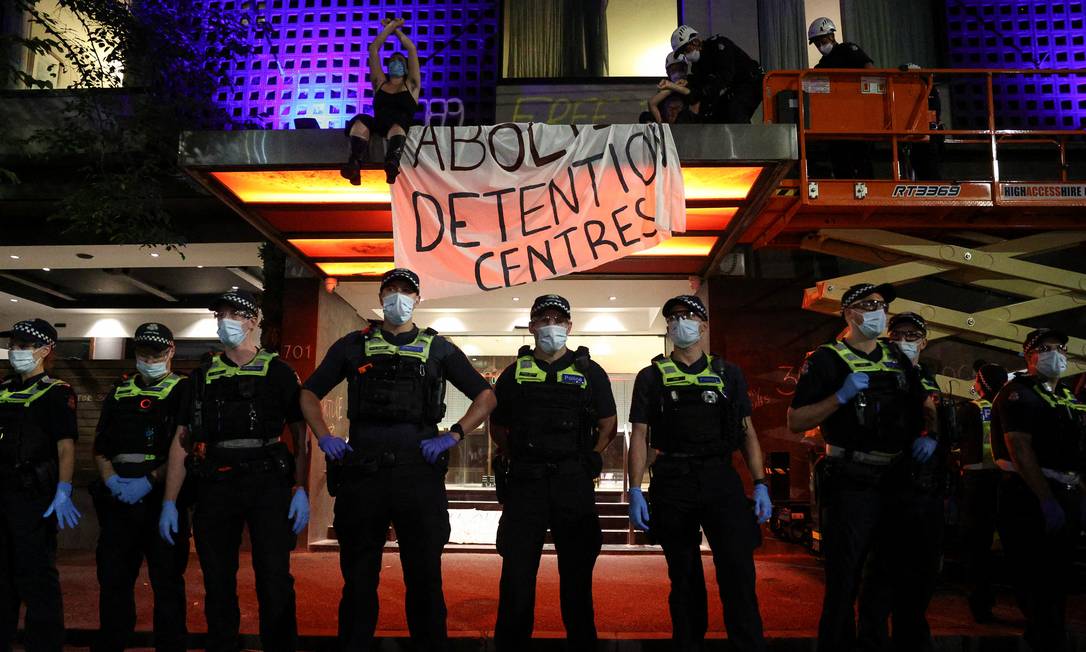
(553, 414)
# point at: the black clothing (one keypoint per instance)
(971, 427)
(845, 55)
(649, 385)
(541, 496)
(127, 535)
(393, 109)
(729, 80)
(1057, 432)
(979, 513)
(47, 420)
(142, 424)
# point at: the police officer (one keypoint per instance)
(902, 574)
(139, 419)
(850, 159)
(726, 77)
(694, 410)
(244, 475)
(555, 415)
(37, 454)
(391, 467)
(1038, 431)
(866, 398)
(980, 484)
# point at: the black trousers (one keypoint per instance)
(566, 504)
(980, 490)
(127, 535)
(738, 104)
(412, 499)
(686, 495)
(223, 507)
(1041, 564)
(28, 571)
(901, 574)
(858, 512)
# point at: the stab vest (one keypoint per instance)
(21, 438)
(1063, 446)
(880, 409)
(985, 409)
(695, 416)
(554, 417)
(143, 421)
(237, 402)
(395, 384)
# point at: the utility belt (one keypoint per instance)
(872, 458)
(39, 477)
(277, 461)
(867, 469)
(530, 470)
(247, 443)
(1069, 479)
(684, 463)
(980, 466)
(356, 464)
(134, 465)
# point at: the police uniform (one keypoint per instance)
(396, 389)
(1041, 564)
(728, 79)
(243, 476)
(861, 479)
(694, 414)
(850, 159)
(135, 431)
(35, 414)
(552, 411)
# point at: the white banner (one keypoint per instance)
(482, 208)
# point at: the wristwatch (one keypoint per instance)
(458, 429)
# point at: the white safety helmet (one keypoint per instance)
(674, 58)
(820, 27)
(681, 36)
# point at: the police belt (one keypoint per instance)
(980, 466)
(1069, 478)
(238, 444)
(536, 470)
(874, 458)
(132, 458)
(382, 460)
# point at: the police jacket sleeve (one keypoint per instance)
(332, 369)
(503, 413)
(603, 397)
(816, 380)
(1016, 406)
(101, 431)
(645, 389)
(740, 393)
(289, 387)
(60, 412)
(461, 374)
(182, 395)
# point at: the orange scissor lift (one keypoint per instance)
(992, 224)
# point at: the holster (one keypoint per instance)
(501, 478)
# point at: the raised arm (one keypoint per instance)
(377, 72)
(414, 79)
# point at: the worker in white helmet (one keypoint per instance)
(728, 79)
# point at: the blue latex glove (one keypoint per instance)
(299, 510)
(1055, 519)
(923, 448)
(334, 447)
(167, 521)
(134, 489)
(433, 447)
(854, 384)
(115, 484)
(763, 507)
(67, 514)
(639, 509)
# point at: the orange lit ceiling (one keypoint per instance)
(346, 231)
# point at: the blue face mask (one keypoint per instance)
(551, 338)
(396, 68)
(684, 332)
(152, 370)
(873, 324)
(22, 360)
(231, 333)
(398, 308)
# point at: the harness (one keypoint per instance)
(878, 409)
(144, 428)
(235, 408)
(554, 418)
(395, 383)
(1062, 449)
(695, 416)
(17, 430)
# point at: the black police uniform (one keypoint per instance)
(243, 476)
(34, 416)
(396, 388)
(850, 159)
(1041, 565)
(861, 483)
(729, 81)
(694, 414)
(135, 432)
(980, 486)
(552, 412)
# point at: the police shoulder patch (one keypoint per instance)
(853, 47)
(1012, 395)
(71, 401)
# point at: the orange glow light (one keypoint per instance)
(355, 269)
(345, 247)
(327, 187)
(709, 219)
(695, 246)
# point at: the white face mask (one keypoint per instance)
(826, 48)
(152, 370)
(675, 77)
(551, 338)
(692, 57)
(910, 349)
(684, 333)
(231, 333)
(398, 308)
(1051, 364)
(873, 324)
(22, 360)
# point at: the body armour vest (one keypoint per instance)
(142, 422)
(21, 438)
(1063, 447)
(553, 418)
(879, 409)
(395, 384)
(236, 402)
(984, 407)
(695, 415)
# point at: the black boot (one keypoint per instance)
(392, 158)
(353, 170)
